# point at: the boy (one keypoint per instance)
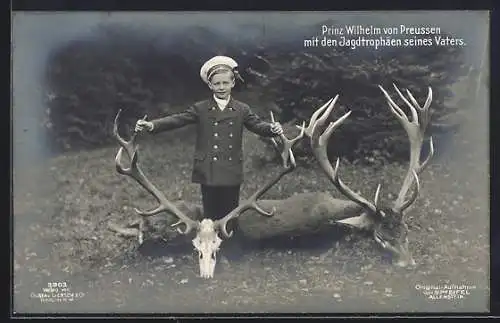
(218, 158)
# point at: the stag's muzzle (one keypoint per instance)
(402, 256)
(399, 251)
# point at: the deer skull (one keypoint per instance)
(207, 243)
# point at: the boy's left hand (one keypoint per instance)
(276, 128)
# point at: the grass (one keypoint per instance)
(62, 209)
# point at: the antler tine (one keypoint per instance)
(135, 172)
(377, 192)
(288, 144)
(310, 127)
(251, 202)
(323, 138)
(129, 147)
(415, 130)
(414, 195)
(344, 189)
(428, 101)
(122, 141)
(321, 120)
(413, 100)
(412, 108)
(424, 111)
(424, 164)
(394, 107)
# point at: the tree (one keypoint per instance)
(154, 73)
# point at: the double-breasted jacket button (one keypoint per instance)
(230, 146)
(230, 135)
(230, 158)
(230, 123)
(215, 146)
(216, 134)
(216, 123)
(215, 158)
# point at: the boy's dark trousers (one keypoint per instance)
(218, 201)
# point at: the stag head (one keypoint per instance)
(387, 222)
(206, 241)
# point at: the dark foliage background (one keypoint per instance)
(157, 73)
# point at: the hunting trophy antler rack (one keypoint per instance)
(387, 223)
(206, 241)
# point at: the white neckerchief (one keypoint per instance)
(221, 103)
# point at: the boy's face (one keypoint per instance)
(221, 84)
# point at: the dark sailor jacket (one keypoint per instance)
(218, 157)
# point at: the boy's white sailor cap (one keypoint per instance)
(215, 63)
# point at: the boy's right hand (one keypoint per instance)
(143, 124)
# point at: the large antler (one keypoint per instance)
(415, 129)
(289, 165)
(288, 144)
(133, 171)
(319, 143)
